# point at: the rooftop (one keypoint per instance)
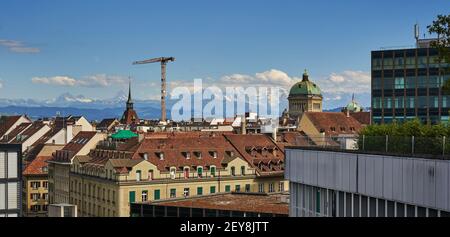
(244, 202)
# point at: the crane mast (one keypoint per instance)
(163, 61)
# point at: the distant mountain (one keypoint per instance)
(93, 109)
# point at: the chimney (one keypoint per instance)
(69, 133)
(243, 125)
(348, 113)
(274, 134)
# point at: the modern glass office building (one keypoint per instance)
(10, 180)
(407, 84)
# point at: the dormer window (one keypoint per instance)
(188, 155)
(198, 154)
(200, 171)
(333, 129)
(342, 129)
(161, 156)
(173, 172)
(215, 154)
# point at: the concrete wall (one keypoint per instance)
(422, 182)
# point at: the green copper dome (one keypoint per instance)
(305, 87)
(354, 106)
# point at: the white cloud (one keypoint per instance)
(99, 80)
(58, 80)
(18, 47)
(337, 87)
(357, 82)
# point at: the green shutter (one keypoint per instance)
(199, 191)
(213, 171)
(228, 188)
(157, 194)
(132, 196)
(238, 188)
(212, 189)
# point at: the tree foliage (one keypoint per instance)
(406, 138)
(441, 27)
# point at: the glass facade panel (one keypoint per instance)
(388, 63)
(388, 103)
(399, 83)
(399, 102)
(422, 82)
(422, 102)
(376, 102)
(422, 62)
(410, 82)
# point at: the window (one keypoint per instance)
(399, 83)
(399, 102)
(35, 208)
(173, 172)
(161, 156)
(212, 189)
(45, 184)
(144, 196)
(45, 196)
(132, 196)
(188, 155)
(227, 188)
(35, 185)
(261, 188)
(213, 171)
(215, 154)
(237, 188)
(199, 191)
(173, 193)
(157, 194)
(247, 188)
(150, 175)
(186, 173)
(35, 196)
(387, 103)
(200, 172)
(233, 171)
(271, 188)
(242, 170)
(138, 175)
(186, 192)
(281, 187)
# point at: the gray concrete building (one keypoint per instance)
(10, 180)
(351, 184)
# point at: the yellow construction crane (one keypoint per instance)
(163, 61)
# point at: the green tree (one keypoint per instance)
(441, 27)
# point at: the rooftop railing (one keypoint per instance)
(424, 147)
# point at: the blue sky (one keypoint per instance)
(50, 47)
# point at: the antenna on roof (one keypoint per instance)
(416, 32)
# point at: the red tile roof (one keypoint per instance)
(257, 203)
(16, 131)
(30, 131)
(362, 117)
(176, 149)
(73, 147)
(261, 148)
(37, 165)
(334, 123)
(6, 122)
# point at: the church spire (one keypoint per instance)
(129, 101)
